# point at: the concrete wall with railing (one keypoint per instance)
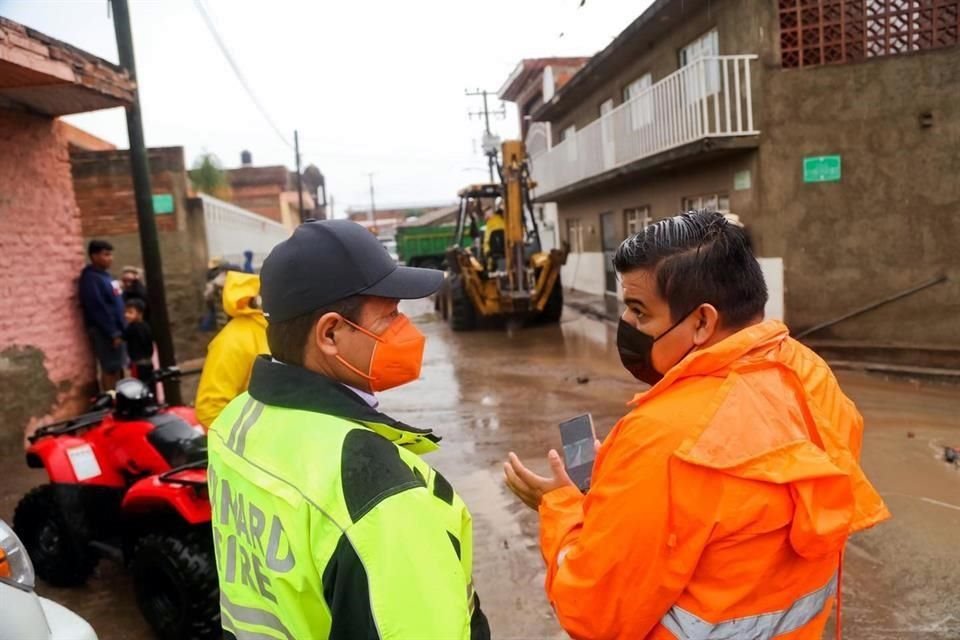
(710, 98)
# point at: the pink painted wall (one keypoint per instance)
(46, 367)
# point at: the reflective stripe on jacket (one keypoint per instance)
(719, 505)
(327, 524)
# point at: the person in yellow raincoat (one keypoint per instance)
(230, 356)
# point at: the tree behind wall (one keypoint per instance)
(208, 176)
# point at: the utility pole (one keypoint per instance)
(489, 142)
(372, 216)
(146, 224)
(296, 150)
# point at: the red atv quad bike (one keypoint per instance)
(128, 480)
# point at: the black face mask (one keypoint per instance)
(636, 351)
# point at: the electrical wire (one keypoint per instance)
(211, 26)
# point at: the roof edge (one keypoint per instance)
(549, 109)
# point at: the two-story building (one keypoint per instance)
(830, 129)
(532, 82)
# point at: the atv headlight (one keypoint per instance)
(15, 565)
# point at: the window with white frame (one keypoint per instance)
(575, 235)
(641, 104)
(707, 45)
(635, 219)
(714, 202)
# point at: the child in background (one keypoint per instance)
(139, 341)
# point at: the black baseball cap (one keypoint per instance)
(329, 260)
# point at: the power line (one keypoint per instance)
(236, 70)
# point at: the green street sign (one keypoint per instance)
(162, 204)
(821, 169)
(741, 180)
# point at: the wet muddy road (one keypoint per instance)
(489, 393)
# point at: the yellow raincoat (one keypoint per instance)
(230, 356)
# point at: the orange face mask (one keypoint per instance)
(396, 358)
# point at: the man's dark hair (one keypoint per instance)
(135, 303)
(699, 257)
(96, 246)
(288, 339)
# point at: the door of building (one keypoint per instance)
(608, 244)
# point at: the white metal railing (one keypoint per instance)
(538, 138)
(710, 97)
(231, 230)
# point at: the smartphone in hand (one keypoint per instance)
(578, 436)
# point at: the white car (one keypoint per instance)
(23, 614)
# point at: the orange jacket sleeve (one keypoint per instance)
(614, 563)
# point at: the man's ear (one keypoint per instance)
(707, 322)
(324, 334)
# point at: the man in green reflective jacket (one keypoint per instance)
(327, 523)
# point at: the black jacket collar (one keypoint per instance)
(281, 385)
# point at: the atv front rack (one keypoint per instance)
(68, 426)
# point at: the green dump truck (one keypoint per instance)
(424, 246)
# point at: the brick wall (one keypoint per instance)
(263, 199)
(46, 368)
(104, 190)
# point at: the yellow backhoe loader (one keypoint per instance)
(504, 273)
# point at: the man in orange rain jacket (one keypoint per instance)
(720, 505)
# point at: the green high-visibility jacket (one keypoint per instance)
(326, 522)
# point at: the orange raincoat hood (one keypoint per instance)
(812, 446)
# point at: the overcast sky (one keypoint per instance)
(372, 85)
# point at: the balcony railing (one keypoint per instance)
(708, 98)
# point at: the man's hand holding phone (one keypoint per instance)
(531, 487)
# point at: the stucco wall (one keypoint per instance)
(46, 368)
(662, 193)
(894, 218)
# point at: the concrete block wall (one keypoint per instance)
(46, 367)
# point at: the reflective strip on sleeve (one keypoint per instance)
(252, 616)
(687, 626)
(241, 634)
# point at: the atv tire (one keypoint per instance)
(553, 310)
(59, 553)
(462, 314)
(175, 580)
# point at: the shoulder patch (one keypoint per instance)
(442, 489)
(371, 471)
